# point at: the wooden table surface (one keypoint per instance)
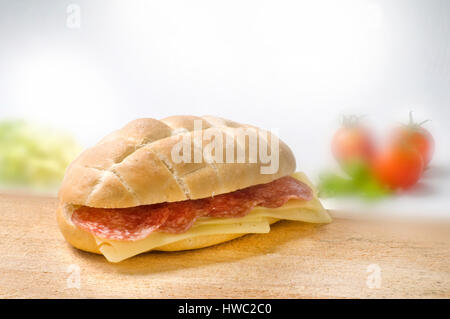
(346, 258)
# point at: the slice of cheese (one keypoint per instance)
(257, 221)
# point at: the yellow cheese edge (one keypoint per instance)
(257, 221)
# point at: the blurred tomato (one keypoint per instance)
(352, 141)
(399, 166)
(416, 136)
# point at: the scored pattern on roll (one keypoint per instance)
(133, 166)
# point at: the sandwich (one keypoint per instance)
(181, 183)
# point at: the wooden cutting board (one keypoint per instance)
(346, 258)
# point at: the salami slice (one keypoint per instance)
(138, 222)
(278, 192)
(182, 216)
(121, 224)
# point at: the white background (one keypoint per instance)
(295, 66)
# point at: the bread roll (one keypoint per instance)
(133, 166)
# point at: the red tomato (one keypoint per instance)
(417, 137)
(352, 142)
(399, 166)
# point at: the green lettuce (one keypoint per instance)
(34, 156)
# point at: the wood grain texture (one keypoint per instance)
(295, 260)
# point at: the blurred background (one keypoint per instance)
(72, 71)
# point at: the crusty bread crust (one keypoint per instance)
(133, 166)
(84, 240)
